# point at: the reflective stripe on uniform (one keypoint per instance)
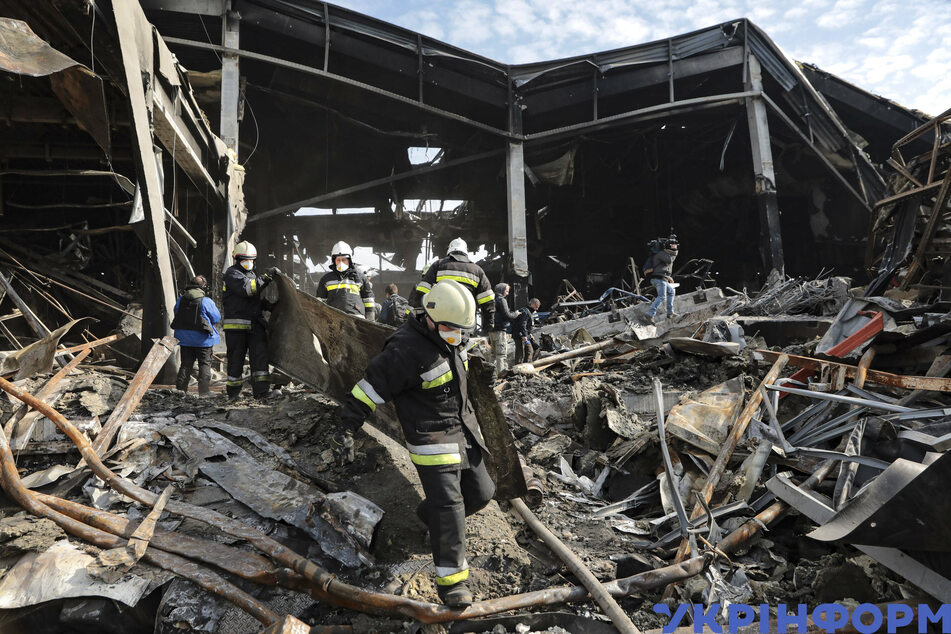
(369, 303)
(434, 455)
(237, 324)
(460, 276)
(442, 373)
(446, 576)
(347, 286)
(371, 393)
(486, 297)
(234, 381)
(260, 376)
(365, 393)
(424, 287)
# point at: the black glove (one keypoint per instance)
(273, 271)
(264, 279)
(342, 445)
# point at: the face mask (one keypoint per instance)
(247, 265)
(452, 337)
(342, 266)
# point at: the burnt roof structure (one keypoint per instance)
(567, 167)
(113, 186)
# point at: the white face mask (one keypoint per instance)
(452, 337)
(247, 265)
(342, 266)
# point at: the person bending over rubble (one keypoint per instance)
(659, 268)
(244, 324)
(422, 369)
(345, 287)
(458, 267)
(526, 348)
(194, 324)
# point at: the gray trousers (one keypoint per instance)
(499, 345)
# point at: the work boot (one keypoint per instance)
(457, 595)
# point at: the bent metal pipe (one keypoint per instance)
(310, 577)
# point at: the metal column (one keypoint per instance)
(230, 80)
(515, 199)
(772, 240)
(518, 237)
(160, 302)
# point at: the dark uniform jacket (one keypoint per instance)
(241, 298)
(524, 324)
(503, 316)
(350, 291)
(663, 264)
(426, 380)
(457, 266)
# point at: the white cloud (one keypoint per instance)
(896, 48)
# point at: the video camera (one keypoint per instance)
(659, 244)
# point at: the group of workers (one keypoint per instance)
(421, 369)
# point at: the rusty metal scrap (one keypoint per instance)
(10, 480)
(935, 384)
(621, 620)
(739, 427)
(25, 53)
(317, 581)
(151, 366)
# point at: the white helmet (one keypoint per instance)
(458, 245)
(451, 304)
(244, 250)
(341, 248)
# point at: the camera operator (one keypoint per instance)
(658, 269)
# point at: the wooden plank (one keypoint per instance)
(927, 383)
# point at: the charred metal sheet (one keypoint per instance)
(329, 350)
(819, 510)
(60, 572)
(82, 93)
(36, 358)
(881, 514)
(24, 53)
(277, 496)
(509, 483)
(704, 420)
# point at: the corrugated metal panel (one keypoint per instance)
(770, 59)
(682, 46)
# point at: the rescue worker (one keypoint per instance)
(395, 308)
(194, 324)
(345, 287)
(457, 266)
(526, 348)
(422, 369)
(244, 324)
(504, 318)
(659, 269)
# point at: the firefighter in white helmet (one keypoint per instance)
(345, 287)
(458, 267)
(422, 369)
(244, 324)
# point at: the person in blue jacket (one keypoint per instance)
(194, 324)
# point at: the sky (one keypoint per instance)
(899, 49)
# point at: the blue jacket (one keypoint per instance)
(194, 338)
